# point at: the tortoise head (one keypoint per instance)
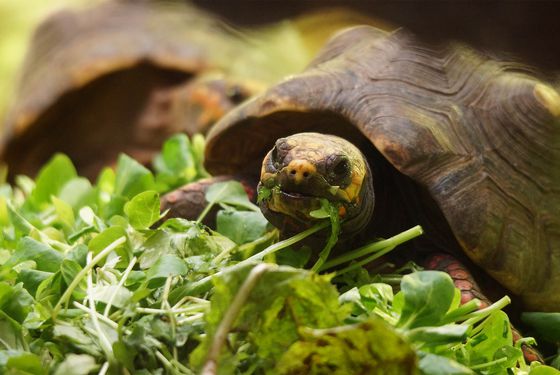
(304, 168)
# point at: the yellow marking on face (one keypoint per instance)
(353, 190)
(300, 169)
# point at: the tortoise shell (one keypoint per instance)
(481, 136)
(90, 74)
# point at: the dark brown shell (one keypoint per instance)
(482, 136)
(91, 75)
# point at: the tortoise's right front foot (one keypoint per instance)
(189, 201)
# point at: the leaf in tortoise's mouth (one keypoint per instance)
(293, 203)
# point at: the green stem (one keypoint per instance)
(211, 365)
(287, 242)
(488, 364)
(461, 312)
(205, 212)
(374, 247)
(119, 286)
(68, 293)
(335, 230)
(103, 340)
(478, 315)
(365, 261)
(204, 284)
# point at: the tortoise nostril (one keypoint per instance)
(305, 174)
(293, 171)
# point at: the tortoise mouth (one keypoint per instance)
(293, 204)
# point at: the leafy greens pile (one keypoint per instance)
(92, 282)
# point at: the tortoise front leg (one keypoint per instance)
(189, 201)
(464, 281)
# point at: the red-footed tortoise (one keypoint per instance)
(100, 81)
(462, 144)
(123, 76)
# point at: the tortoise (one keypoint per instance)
(402, 133)
(100, 81)
(123, 76)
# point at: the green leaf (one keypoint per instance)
(11, 336)
(69, 269)
(198, 144)
(132, 178)
(365, 348)
(282, 301)
(489, 337)
(166, 266)
(427, 297)
(106, 181)
(64, 212)
(381, 294)
(320, 213)
(546, 324)
(230, 193)
(105, 238)
(241, 226)
(544, 370)
(24, 363)
(32, 278)
(505, 357)
(15, 301)
(68, 332)
(46, 258)
(434, 336)
(77, 192)
(431, 364)
(52, 177)
(117, 295)
(297, 258)
(176, 158)
(76, 364)
(143, 210)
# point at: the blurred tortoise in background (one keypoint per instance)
(462, 144)
(123, 76)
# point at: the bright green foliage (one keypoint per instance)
(370, 347)
(241, 226)
(92, 282)
(179, 162)
(282, 302)
(143, 209)
(52, 178)
(450, 339)
(427, 297)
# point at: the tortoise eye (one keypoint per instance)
(236, 94)
(339, 170)
(341, 167)
(273, 161)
